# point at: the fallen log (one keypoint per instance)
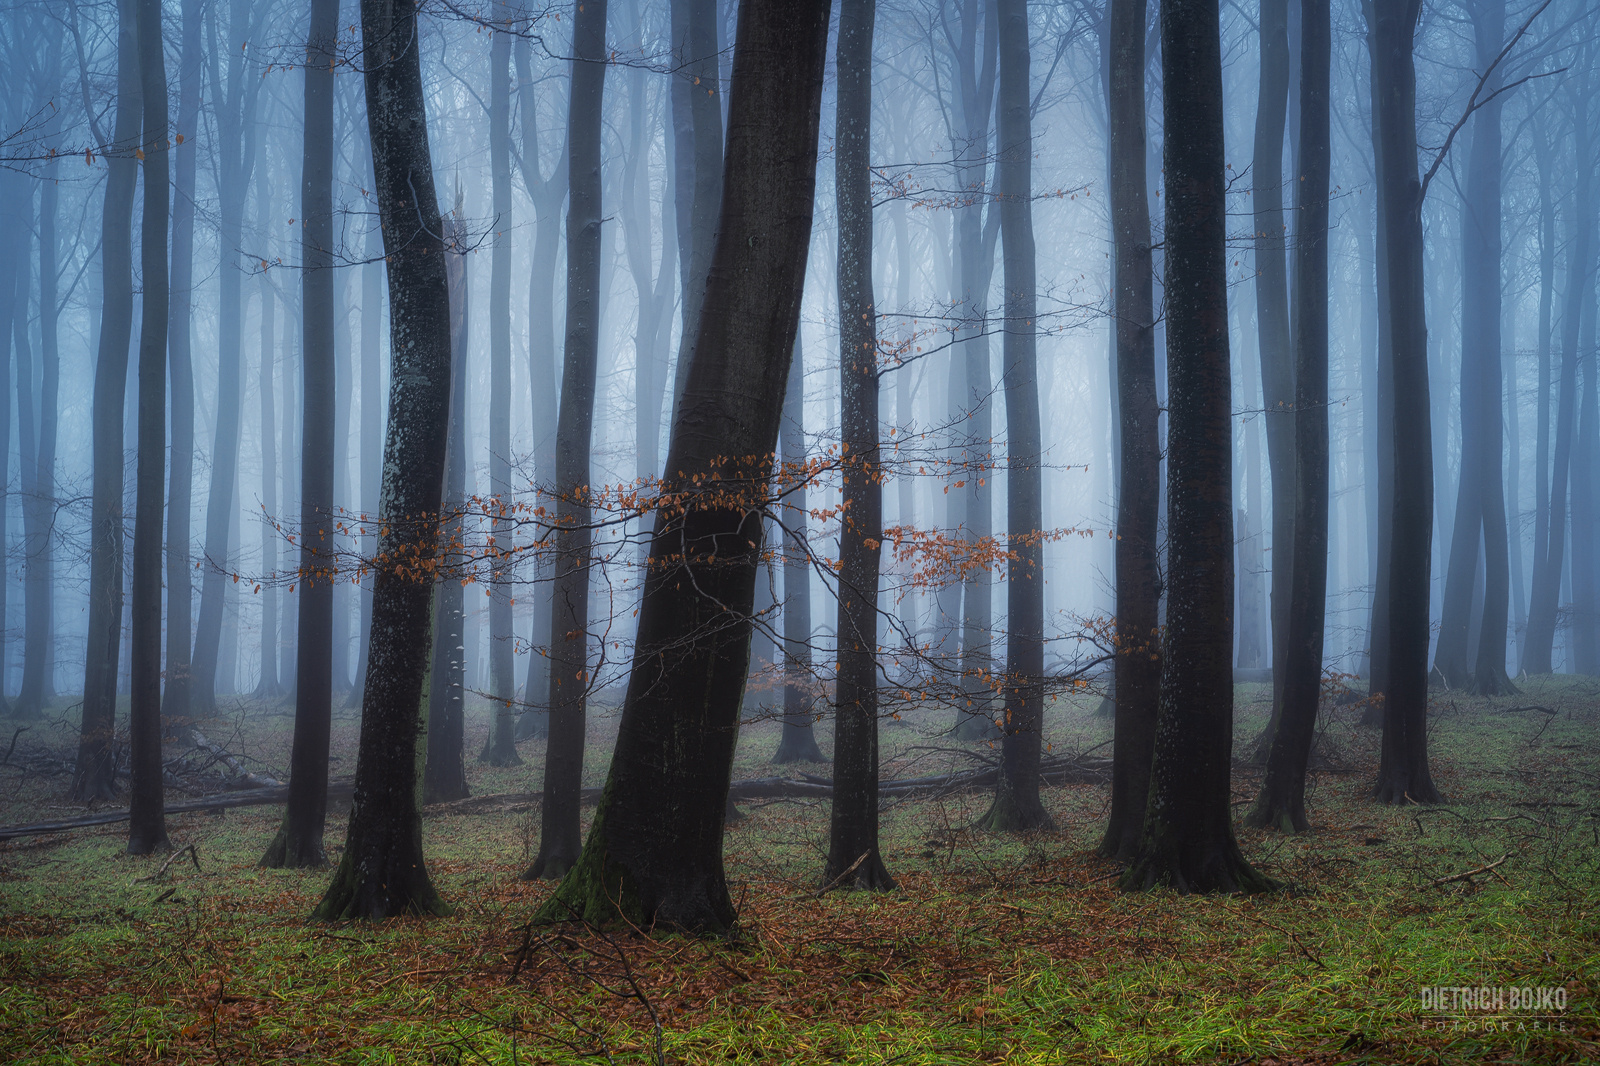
(1056, 771)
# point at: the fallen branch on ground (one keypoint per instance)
(1470, 874)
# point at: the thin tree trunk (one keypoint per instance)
(382, 872)
(854, 860)
(8, 295)
(1281, 803)
(371, 434)
(29, 704)
(1137, 668)
(560, 839)
(1188, 838)
(268, 687)
(654, 854)
(798, 742)
(1017, 806)
(93, 773)
(147, 829)
(502, 750)
(180, 493)
(299, 839)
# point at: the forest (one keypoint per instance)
(738, 531)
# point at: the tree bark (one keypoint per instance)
(147, 828)
(654, 853)
(1403, 774)
(1137, 667)
(1188, 840)
(93, 773)
(570, 678)
(1281, 803)
(854, 860)
(299, 839)
(382, 872)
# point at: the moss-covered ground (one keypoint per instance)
(993, 949)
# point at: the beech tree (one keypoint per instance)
(654, 851)
(382, 872)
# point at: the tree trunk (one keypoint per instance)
(1545, 597)
(299, 840)
(236, 150)
(502, 675)
(180, 491)
(654, 853)
(1272, 310)
(1281, 803)
(382, 872)
(975, 236)
(547, 195)
(371, 433)
(1403, 770)
(147, 827)
(570, 678)
(29, 704)
(93, 773)
(12, 227)
(268, 687)
(1017, 806)
(1137, 668)
(444, 775)
(1188, 840)
(854, 860)
(798, 742)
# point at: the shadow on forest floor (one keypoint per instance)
(992, 950)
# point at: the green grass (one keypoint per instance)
(994, 949)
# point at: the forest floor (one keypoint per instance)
(992, 949)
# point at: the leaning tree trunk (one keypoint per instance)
(1281, 803)
(798, 742)
(1188, 840)
(94, 772)
(382, 872)
(654, 853)
(1017, 806)
(1403, 771)
(570, 678)
(147, 826)
(854, 860)
(502, 750)
(1272, 311)
(180, 589)
(1137, 668)
(299, 839)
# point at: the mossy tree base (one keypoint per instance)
(148, 843)
(501, 751)
(290, 852)
(1011, 813)
(378, 888)
(1194, 869)
(869, 875)
(974, 725)
(797, 745)
(1282, 813)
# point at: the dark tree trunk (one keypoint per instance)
(1017, 806)
(268, 686)
(236, 150)
(1272, 311)
(147, 827)
(299, 840)
(371, 434)
(180, 489)
(33, 418)
(1544, 153)
(1137, 668)
(444, 775)
(570, 678)
(382, 872)
(697, 129)
(547, 195)
(1403, 771)
(93, 774)
(502, 749)
(798, 743)
(1188, 838)
(1281, 803)
(8, 294)
(854, 860)
(654, 853)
